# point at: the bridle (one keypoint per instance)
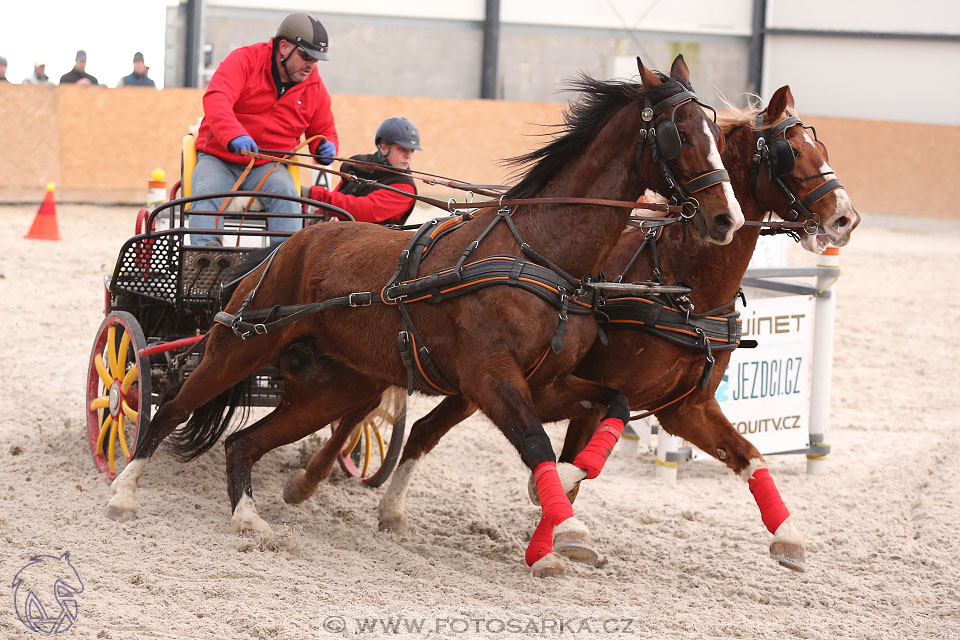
(778, 154)
(665, 145)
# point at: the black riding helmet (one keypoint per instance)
(398, 131)
(307, 33)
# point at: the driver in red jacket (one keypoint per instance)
(263, 95)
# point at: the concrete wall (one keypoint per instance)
(100, 145)
(440, 56)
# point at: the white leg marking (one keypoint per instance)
(392, 509)
(122, 506)
(571, 525)
(756, 463)
(245, 519)
(789, 533)
(569, 475)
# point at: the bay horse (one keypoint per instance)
(486, 344)
(657, 373)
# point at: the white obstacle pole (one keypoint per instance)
(666, 444)
(822, 364)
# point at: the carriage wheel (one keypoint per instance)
(118, 391)
(374, 448)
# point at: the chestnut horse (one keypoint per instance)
(668, 375)
(339, 361)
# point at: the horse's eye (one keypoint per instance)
(796, 153)
(683, 136)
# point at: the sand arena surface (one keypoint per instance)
(685, 560)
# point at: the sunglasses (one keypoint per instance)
(306, 56)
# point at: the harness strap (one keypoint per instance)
(426, 371)
(539, 259)
(708, 179)
(820, 192)
(645, 414)
(241, 325)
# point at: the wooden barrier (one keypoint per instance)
(100, 145)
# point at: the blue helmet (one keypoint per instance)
(398, 131)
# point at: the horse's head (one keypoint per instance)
(793, 179)
(685, 145)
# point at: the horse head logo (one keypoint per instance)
(45, 594)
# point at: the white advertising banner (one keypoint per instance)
(765, 391)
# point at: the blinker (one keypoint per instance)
(782, 160)
(668, 140)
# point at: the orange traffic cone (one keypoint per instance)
(44, 225)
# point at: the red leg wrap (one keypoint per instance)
(595, 454)
(553, 500)
(541, 543)
(556, 508)
(772, 510)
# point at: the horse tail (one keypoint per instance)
(209, 422)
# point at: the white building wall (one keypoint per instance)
(881, 78)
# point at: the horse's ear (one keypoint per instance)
(647, 77)
(679, 69)
(781, 100)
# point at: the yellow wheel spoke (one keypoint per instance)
(123, 438)
(102, 402)
(130, 378)
(112, 352)
(366, 450)
(380, 443)
(354, 439)
(129, 411)
(102, 370)
(122, 355)
(103, 432)
(112, 446)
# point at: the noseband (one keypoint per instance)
(665, 145)
(778, 156)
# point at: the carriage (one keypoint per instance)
(160, 300)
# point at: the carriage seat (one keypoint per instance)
(188, 161)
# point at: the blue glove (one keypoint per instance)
(243, 143)
(326, 148)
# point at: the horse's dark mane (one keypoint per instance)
(583, 118)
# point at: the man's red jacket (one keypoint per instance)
(242, 101)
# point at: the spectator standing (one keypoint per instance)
(396, 139)
(78, 74)
(39, 75)
(266, 94)
(139, 76)
(3, 69)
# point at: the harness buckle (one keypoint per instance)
(647, 114)
(257, 330)
(364, 299)
(811, 225)
(761, 143)
(689, 208)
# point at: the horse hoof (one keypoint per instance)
(121, 508)
(788, 555)
(572, 540)
(549, 566)
(395, 523)
(294, 491)
(246, 521)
